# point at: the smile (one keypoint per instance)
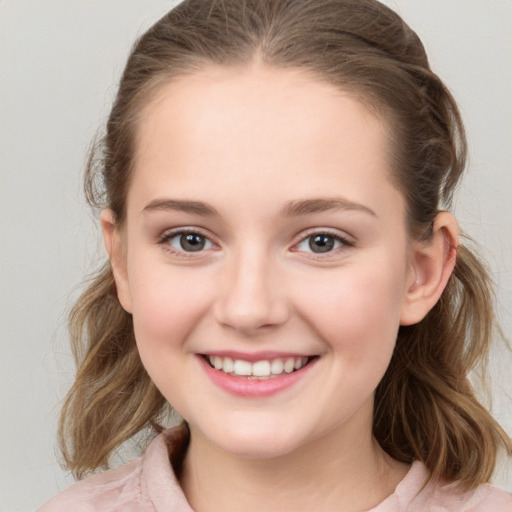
(263, 369)
(256, 375)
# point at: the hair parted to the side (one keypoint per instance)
(425, 407)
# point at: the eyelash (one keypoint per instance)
(336, 236)
(169, 235)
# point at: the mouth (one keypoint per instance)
(263, 369)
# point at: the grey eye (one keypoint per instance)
(190, 242)
(319, 243)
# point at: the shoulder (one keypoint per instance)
(485, 498)
(497, 499)
(98, 492)
(412, 495)
(105, 491)
(453, 498)
(146, 484)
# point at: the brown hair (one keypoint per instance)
(425, 407)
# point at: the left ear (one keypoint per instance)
(432, 264)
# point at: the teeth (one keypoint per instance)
(276, 367)
(228, 365)
(289, 365)
(261, 369)
(264, 368)
(242, 367)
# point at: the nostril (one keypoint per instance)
(249, 298)
(251, 313)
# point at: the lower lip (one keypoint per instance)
(254, 388)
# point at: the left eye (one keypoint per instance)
(320, 243)
(189, 242)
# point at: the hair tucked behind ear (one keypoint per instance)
(425, 407)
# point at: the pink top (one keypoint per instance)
(149, 484)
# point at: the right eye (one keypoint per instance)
(187, 241)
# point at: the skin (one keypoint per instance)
(246, 143)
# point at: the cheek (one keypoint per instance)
(357, 310)
(166, 303)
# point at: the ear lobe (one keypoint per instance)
(114, 246)
(432, 265)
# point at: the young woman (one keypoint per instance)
(275, 181)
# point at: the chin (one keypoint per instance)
(265, 447)
(256, 439)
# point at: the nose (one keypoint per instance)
(253, 295)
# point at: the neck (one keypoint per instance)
(327, 474)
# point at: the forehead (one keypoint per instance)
(291, 101)
(257, 126)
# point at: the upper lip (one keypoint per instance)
(255, 356)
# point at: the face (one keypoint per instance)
(265, 257)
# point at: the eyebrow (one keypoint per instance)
(193, 207)
(308, 206)
(294, 208)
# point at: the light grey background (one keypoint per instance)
(59, 63)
